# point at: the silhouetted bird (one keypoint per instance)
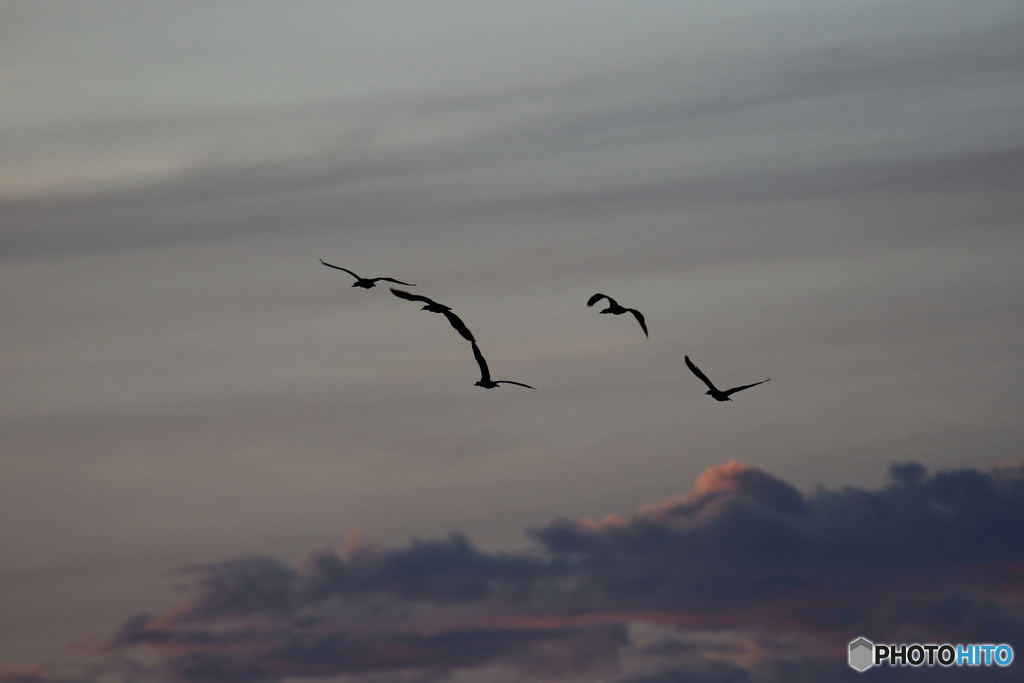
(485, 375)
(366, 282)
(435, 307)
(615, 309)
(714, 391)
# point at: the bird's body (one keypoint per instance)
(366, 282)
(435, 307)
(485, 375)
(713, 391)
(615, 309)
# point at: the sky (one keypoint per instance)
(223, 463)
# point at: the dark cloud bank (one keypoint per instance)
(741, 579)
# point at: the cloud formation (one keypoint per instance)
(741, 578)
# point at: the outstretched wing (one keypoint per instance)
(485, 374)
(340, 268)
(391, 279)
(729, 392)
(640, 319)
(412, 297)
(597, 297)
(460, 326)
(508, 381)
(700, 375)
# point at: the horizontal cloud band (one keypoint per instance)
(936, 557)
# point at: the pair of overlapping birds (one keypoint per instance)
(485, 375)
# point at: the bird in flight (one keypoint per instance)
(435, 307)
(485, 375)
(615, 309)
(366, 282)
(714, 391)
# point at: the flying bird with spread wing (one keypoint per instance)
(435, 307)
(366, 282)
(714, 391)
(485, 375)
(615, 309)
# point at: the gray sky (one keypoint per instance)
(827, 194)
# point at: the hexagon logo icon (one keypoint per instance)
(862, 654)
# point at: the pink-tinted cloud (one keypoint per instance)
(21, 673)
(790, 579)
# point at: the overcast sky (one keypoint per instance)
(824, 193)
